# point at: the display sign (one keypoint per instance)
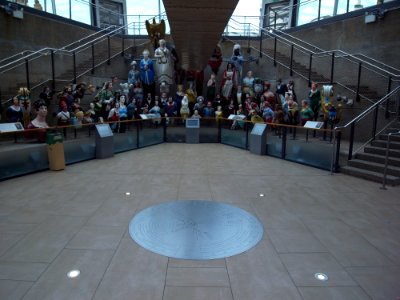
(259, 129)
(104, 130)
(10, 127)
(237, 117)
(313, 124)
(193, 123)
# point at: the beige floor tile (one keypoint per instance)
(197, 293)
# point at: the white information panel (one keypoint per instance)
(10, 127)
(237, 117)
(258, 129)
(104, 130)
(313, 124)
(192, 123)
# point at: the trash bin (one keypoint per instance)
(55, 151)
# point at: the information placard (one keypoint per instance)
(313, 124)
(193, 123)
(10, 127)
(104, 130)
(258, 129)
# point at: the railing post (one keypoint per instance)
(219, 131)
(309, 71)
(358, 82)
(28, 84)
(275, 17)
(165, 131)
(389, 89)
(53, 73)
(284, 134)
(247, 135)
(387, 115)
(123, 45)
(319, 10)
(108, 50)
(291, 60)
(138, 132)
(275, 52)
(74, 66)
(92, 71)
(347, 6)
(351, 141)
(261, 38)
(374, 124)
(332, 66)
(338, 139)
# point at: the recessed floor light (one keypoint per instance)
(321, 276)
(128, 193)
(73, 273)
(262, 195)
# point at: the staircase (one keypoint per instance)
(303, 71)
(371, 163)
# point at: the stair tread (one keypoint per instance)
(367, 172)
(379, 156)
(372, 163)
(380, 148)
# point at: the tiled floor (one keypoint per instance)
(52, 222)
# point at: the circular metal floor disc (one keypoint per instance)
(194, 229)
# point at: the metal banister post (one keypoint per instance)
(352, 129)
(123, 45)
(108, 50)
(309, 71)
(275, 51)
(92, 71)
(332, 66)
(358, 83)
(53, 74)
(28, 85)
(291, 60)
(375, 121)
(74, 66)
(387, 115)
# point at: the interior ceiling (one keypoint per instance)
(196, 28)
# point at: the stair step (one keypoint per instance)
(394, 138)
(373, 166)
(370, 175)
(383, 144)
(392, 161)
(382, 151)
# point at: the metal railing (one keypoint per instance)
(358, 69)
(286, 142)
(378, 117)
(80, 57)
(383, 187)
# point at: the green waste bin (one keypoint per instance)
(55, 151)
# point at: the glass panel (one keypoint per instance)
(81, 12)
(308, 12)
(274, 145)
(125, 141)
(62, 8)
(176, 132)
(232, 134)
(79, 150)
(327, 7)
(208, 131)
(149, 134)
(312, 151)
(342, 7)
(17, 159)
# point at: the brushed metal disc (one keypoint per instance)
(195, 229)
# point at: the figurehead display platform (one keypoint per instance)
(195, 229)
